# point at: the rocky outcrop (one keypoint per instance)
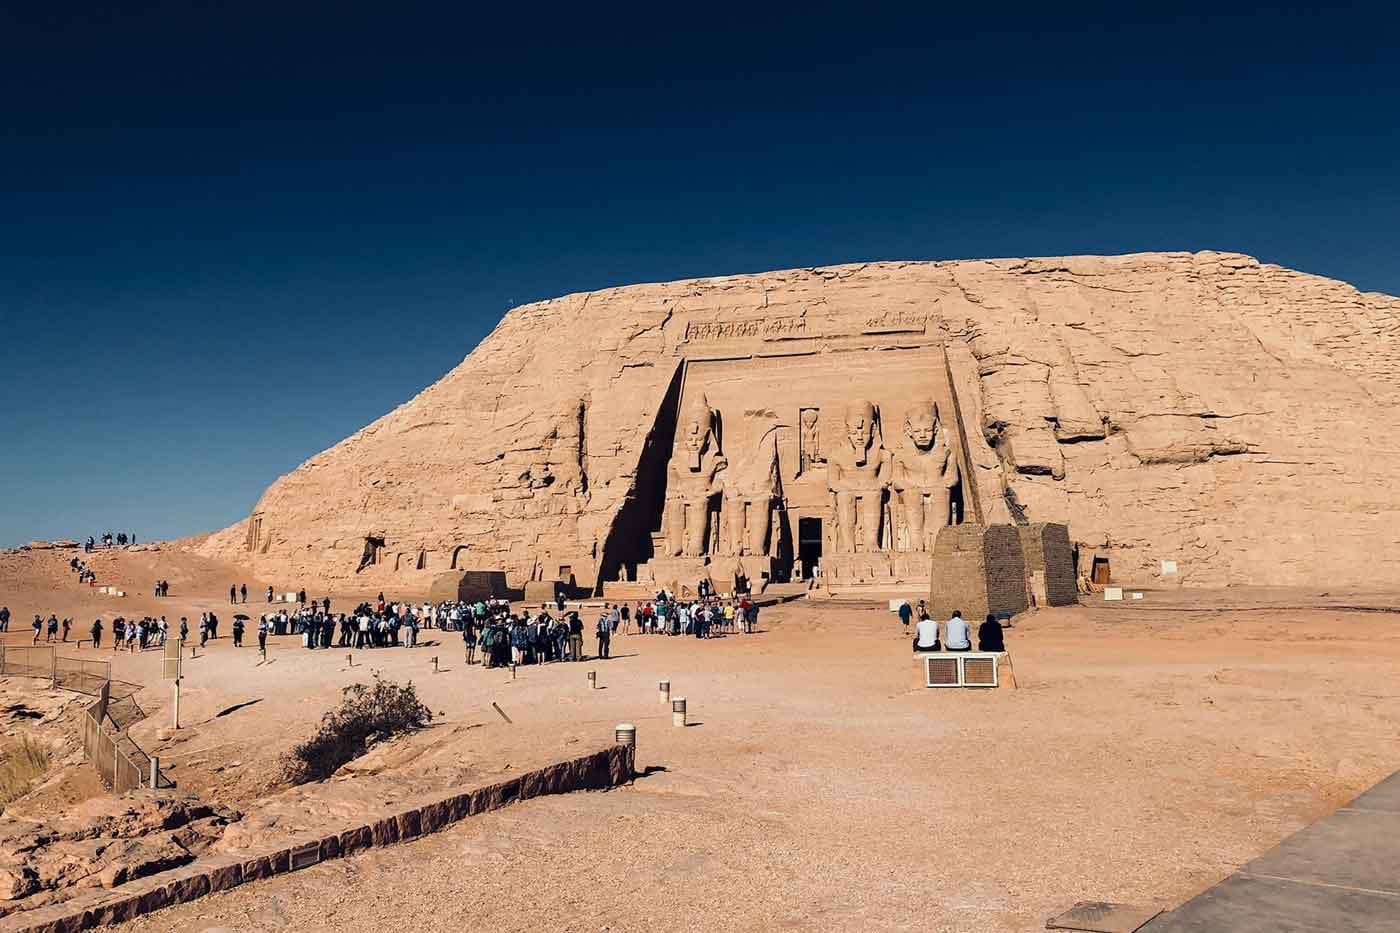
(1233, 417)
(220, 871)
(104, 842)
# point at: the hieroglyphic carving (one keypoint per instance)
(896, 322)
(858, 472)
(775, 327)
(696, 461)
(925, 472)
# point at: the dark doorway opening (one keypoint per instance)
(809, 544)
(1100, 571)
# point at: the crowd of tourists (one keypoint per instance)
(120, 539)
(955, 634)
(84, 572)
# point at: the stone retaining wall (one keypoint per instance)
(607, 768)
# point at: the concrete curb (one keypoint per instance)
(610, 767)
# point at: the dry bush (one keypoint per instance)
(22, 764)
(380, 711)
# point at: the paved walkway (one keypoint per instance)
(1339, 875)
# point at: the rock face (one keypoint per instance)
(1235, 420)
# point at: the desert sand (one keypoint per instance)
(1146, 750)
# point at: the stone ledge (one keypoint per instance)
(610, 767)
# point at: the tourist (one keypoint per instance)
(989, 635)
(926, 635)
(626, 619)
(604, 634)
(96, 630)
(262, 635)
(243, 591)
(38, 627)
(269, 594)
(956, 638)
(906, 613)
(575, 637)
(233, 595)
(184, 630)
(118, 632)
(52, 629)
(4, 618)
(469, 639)
(923, 610)
(203, 629)
(67, 623)
(238, 631)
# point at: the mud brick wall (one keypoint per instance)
(958, 577)
(1058, 556)
(1047, 550)
(1006, 570)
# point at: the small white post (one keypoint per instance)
(678, 712)
(155, 773)
(664, 689)
(175, 705)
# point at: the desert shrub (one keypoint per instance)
(22, 764)
(366, 713)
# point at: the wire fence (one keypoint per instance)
(27, 661)
(120, 762)
(79, 675)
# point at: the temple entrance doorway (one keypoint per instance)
(1101, 575)
(809, 544)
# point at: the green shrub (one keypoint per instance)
(366, 713)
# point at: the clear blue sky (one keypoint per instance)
(232, 234)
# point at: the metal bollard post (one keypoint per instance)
(155, 772)
(678, 711)
(664, 688)
(593, 680)
(626, 734)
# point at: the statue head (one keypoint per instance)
(809, 417)
(860, 428)
(921, 423)
(697, 428)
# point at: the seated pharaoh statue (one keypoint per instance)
(858, 471)
(925, 472)
(691, 483)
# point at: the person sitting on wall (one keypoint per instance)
(989, 635)
(957, 633)
(926, 635)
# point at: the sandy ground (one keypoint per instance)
(1144, 754)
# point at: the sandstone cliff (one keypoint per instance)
(1237, 418)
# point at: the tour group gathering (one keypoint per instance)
(492, 633)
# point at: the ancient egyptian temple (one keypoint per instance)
(1185, 415)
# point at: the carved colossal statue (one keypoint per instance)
(809, 440)
(752, 487)
(857, 470)
(691, 485)
(925, 472)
